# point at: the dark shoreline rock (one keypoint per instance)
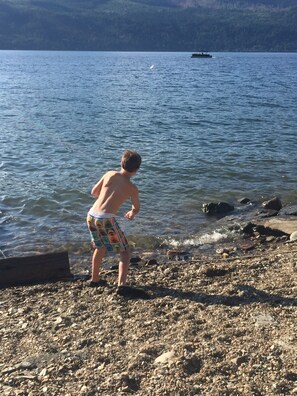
(219, 208)
(273, 204)
(288, 211)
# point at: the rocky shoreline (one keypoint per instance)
(216, 323)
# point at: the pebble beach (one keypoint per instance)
(217, 324)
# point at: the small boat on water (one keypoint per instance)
(201, 55)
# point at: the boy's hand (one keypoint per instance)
(130, 215)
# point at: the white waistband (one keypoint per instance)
(102, 215)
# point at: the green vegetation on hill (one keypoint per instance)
(149, 25)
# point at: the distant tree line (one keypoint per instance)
(148, 25)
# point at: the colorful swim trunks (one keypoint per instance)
(105, 231)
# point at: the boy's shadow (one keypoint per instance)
(247, 295)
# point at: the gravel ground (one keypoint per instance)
(223, 324)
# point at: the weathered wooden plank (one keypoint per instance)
(34, 269)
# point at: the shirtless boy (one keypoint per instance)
(111, 191)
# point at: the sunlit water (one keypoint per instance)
(207, 129)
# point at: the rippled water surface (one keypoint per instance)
(207, 129)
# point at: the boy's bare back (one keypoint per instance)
(112, 190)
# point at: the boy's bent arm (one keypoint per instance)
(135, 204)
(97, 188)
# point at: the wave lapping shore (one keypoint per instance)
(213, 325)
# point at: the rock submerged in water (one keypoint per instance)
(214, 208)
(244, 201)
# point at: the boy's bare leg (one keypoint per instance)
(123, 267)
(96, 263)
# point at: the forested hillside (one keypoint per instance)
(149, 25)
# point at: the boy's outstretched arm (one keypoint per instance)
(135, 204)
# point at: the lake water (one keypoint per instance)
(207, 129)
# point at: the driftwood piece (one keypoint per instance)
(34, 269)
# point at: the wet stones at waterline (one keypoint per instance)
(220, 208)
